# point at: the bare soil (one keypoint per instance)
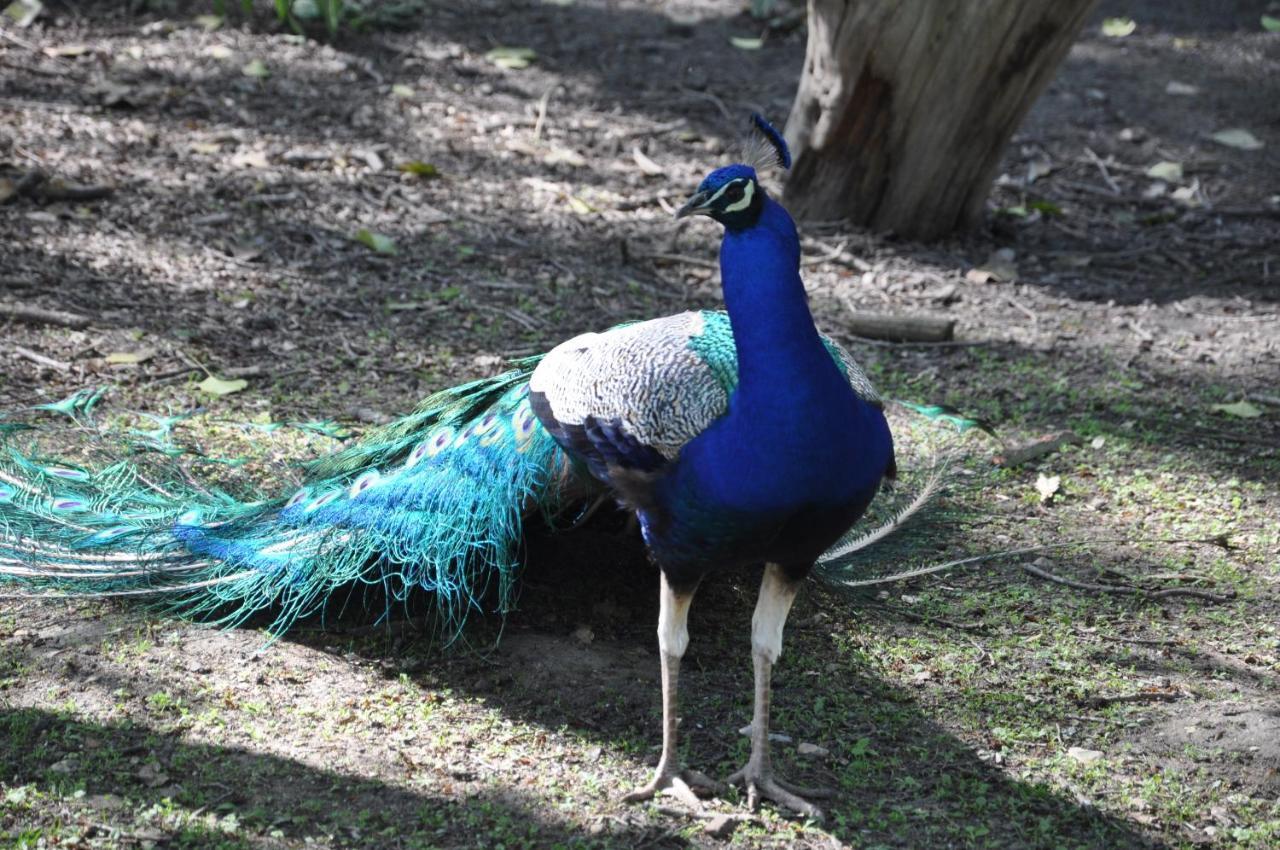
(1096, 298)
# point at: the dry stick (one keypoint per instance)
(1120, 590)
(36, 357)
(26, 185)
(929, 620)
(914, 328)
(1220, 540)
(41, 316)
(55, 190)
(1102, 168)
(541, 121)
(1147, 696)
(681, 258)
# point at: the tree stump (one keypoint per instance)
(904, 106)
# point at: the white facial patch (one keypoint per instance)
(748, 190)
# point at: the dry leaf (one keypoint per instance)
(511, 58)
(1119, 27)
(1047, 486)
(130, 357)
(218, 387)
(645, 164)
(1237, 137)
(24, 12)
(1240, 409)
(1165, 170)
(256, 68)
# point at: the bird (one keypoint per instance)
(738, 439)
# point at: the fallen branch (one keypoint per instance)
(930, 620)
(681, 258)
(1039, 447)
(60, 190)
(40, 359)
(1140, 696)
(41, 316)
(38, 185)
(893, 328)
(1123, 590)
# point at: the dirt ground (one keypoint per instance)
(238, 165)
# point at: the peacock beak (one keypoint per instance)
(697, 205)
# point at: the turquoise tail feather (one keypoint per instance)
(432, 502)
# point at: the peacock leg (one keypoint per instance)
(777, 592)
(673, 639)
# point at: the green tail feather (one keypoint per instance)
(434, 501)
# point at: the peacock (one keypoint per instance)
(736, 438)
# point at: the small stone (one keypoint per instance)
(67, 765)
(807, 749)
(152, 776)
(721, 826)
(1084, 756)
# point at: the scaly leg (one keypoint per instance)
(777, 592)
(673, 639)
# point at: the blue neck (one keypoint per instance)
(780, 355)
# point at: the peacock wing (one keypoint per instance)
(627, 400)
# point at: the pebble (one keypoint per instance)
(1083, 755)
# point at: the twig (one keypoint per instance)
(636, 203)
(929, 620)
(710, 98)
(1120, 590)
(194, 362)
(655, 130)
(1037, 448)
(681, 258)
(1024, 309)
(57, 190)
(831, 254)
(26, 184)
(1221, 540)
(1102, 168)
(41, 316)
(950, 343)
(542, 113)
(38, 358)
(1141, 696)
(1139, 641)
(837, 255)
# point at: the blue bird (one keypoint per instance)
(738, 439)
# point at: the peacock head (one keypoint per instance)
(732, 195)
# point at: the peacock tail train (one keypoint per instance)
(434, 501)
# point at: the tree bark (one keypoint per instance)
(905, 106)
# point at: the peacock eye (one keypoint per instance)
(733, 193)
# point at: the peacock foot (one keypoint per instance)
(763, 785)
(680, 784)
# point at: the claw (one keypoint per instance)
(761, 784)
(678, 785)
